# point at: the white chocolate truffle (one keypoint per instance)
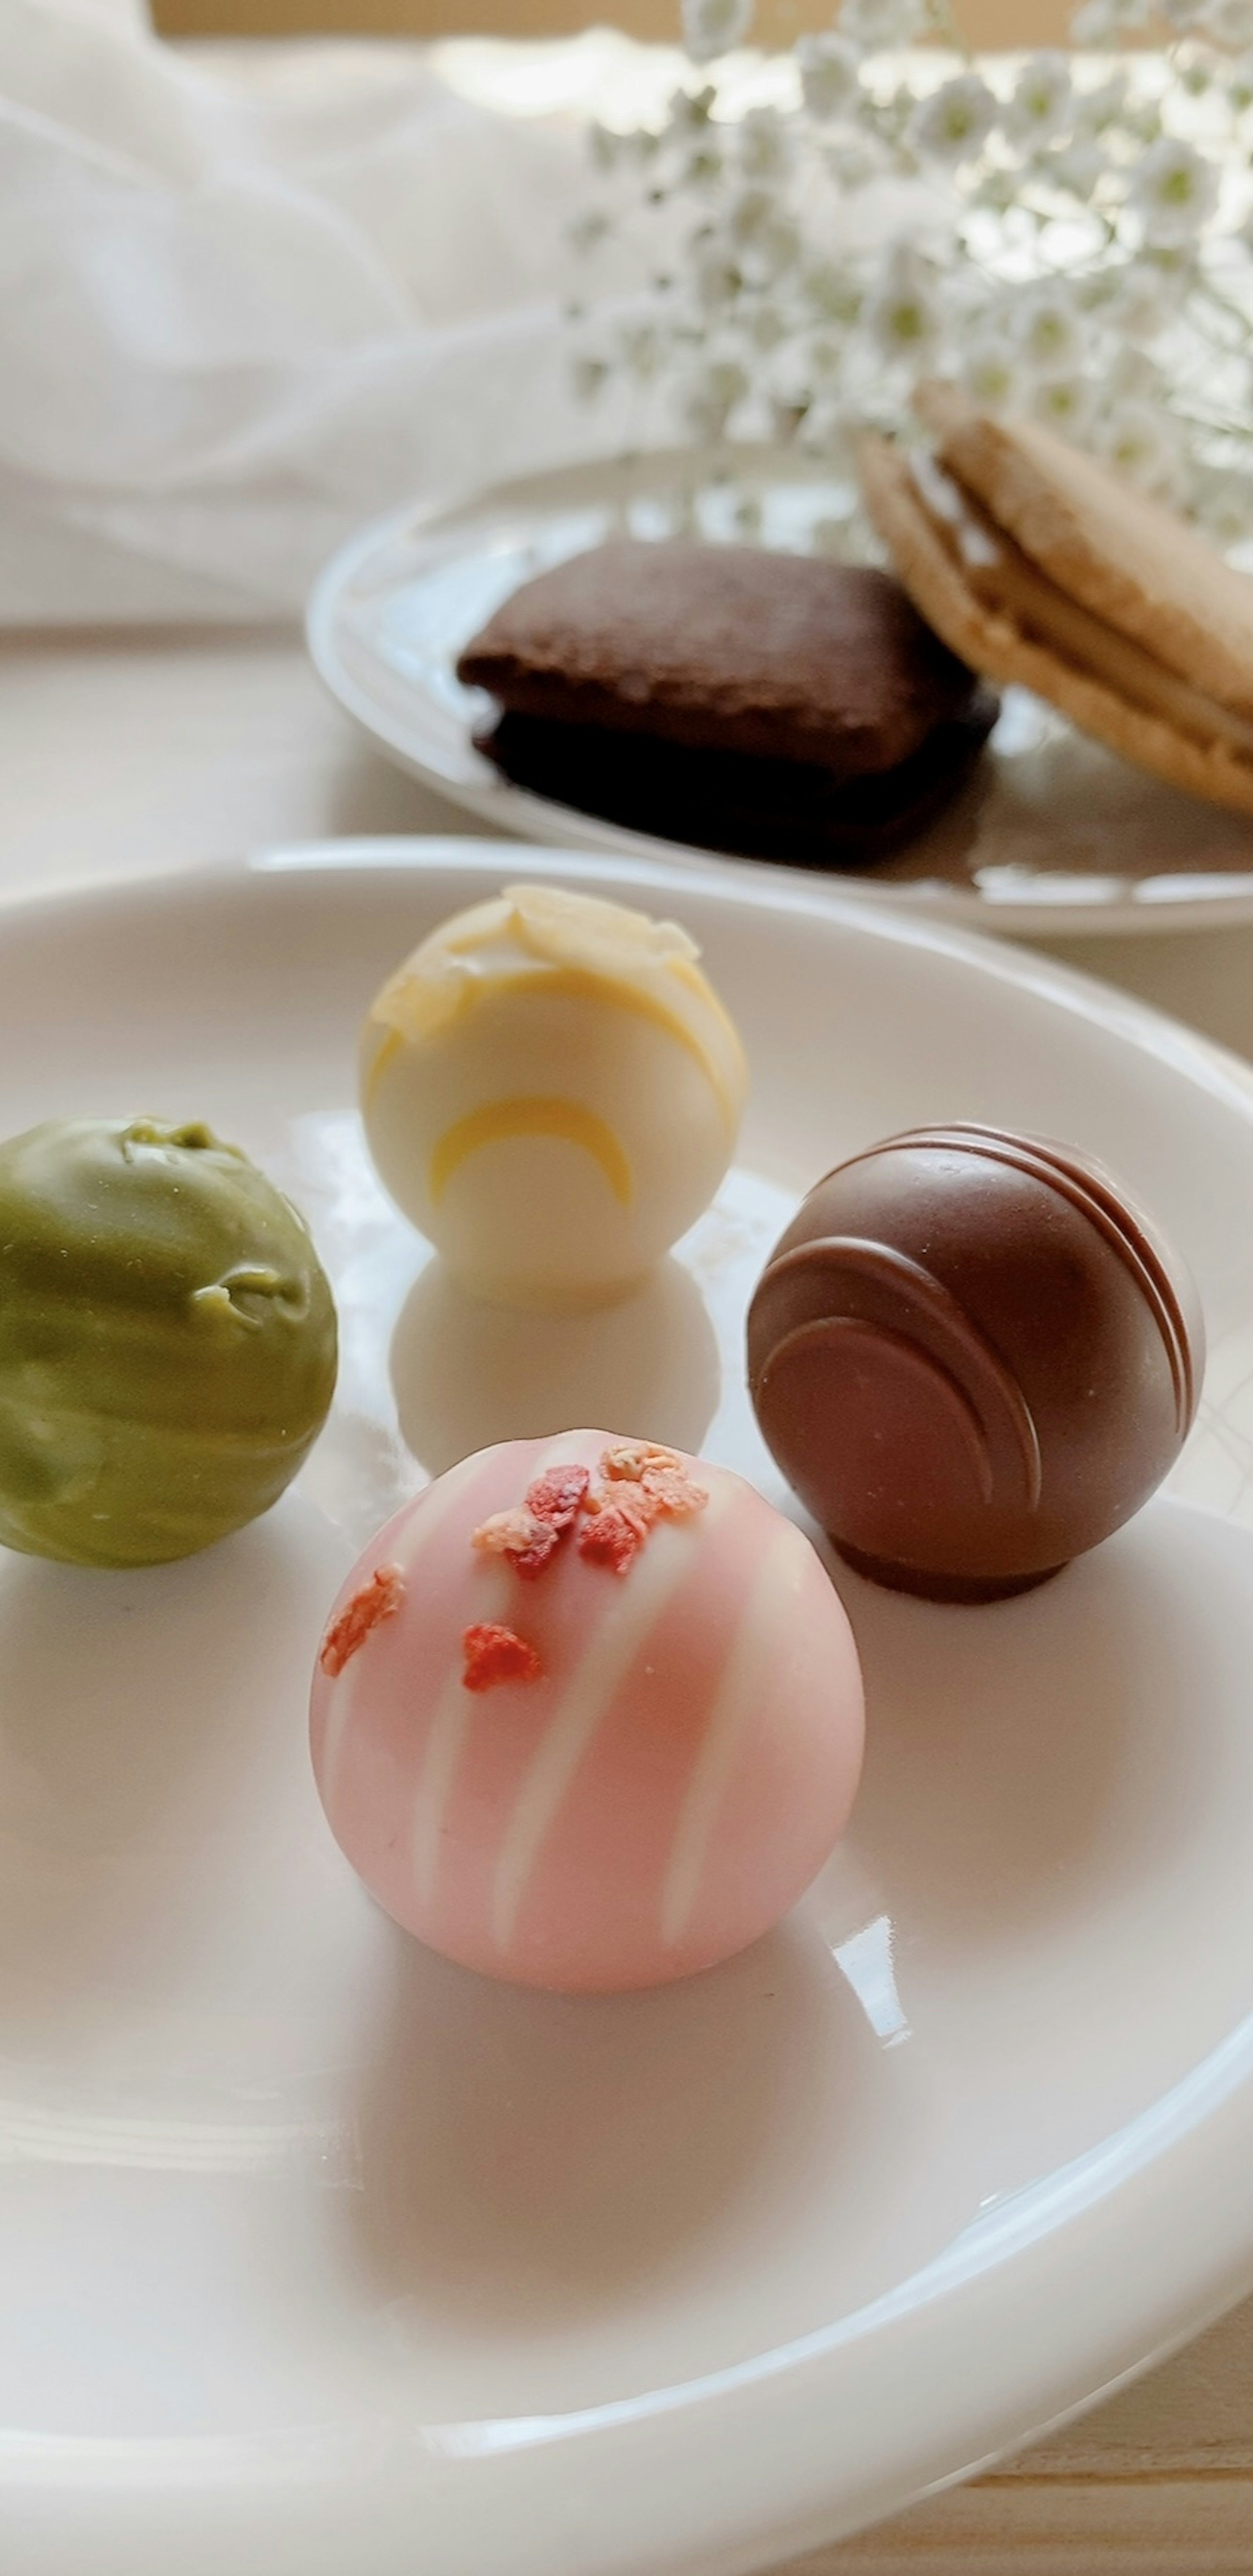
(551, 1091)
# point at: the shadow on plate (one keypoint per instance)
(1043, 1755)
(466, 1373)
(528, 2159)
(151, 1742)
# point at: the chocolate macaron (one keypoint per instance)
(973, 1357)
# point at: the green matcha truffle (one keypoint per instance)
(167, 1341)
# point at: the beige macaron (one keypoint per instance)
(1039, 566)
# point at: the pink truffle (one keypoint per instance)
(587, 1714)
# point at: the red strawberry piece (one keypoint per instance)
(553, 1499)
(372, 1602)
(674, 1492)
(495, 1654)
(532, 1559)
(557, 1495)
(613, 1536)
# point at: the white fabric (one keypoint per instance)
(250, 296)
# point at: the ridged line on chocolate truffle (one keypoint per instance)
(929, 1298)
(1094, 1197)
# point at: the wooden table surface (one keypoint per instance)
(124, 755)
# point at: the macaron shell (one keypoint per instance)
(995, 646)
(1117, 551)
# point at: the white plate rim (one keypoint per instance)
(516, 811)
(1139, 2245)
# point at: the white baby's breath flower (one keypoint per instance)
(879, 26)
(713, 27)
(751, 214)
(765, 143)
(716, 275)
(1042, 101)
(1078, 168)
(1224, 506)
(777, 247)
(788, 414)
(703, 169)
(766, 326)
(714, 396)
(954, 123)
(1064, 403)
(1142, 442)
(828, 70)
(642, 350)
(689, 109)
(1174, 191)
(840, 430)
(1051, 334)
(1142, 120)
(1096, 109)
(900, 313)
(1240, 84)
(1139, 306)
(1061, 270)
(1131, 376)
(826, 357)
(988, 371)
(587, 376)
(764, 232)
(832, 291)
(1179, 269)
(605, 148)
(854, 164)
(826, 433)
(997, 190)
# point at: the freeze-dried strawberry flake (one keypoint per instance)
(512, 1533)
(371, 1603)
(660, 1473)
(630, 1462)
(556, 1496)
(497, 1654)
(643, 1483)
(612, 1537)
(531, 1532)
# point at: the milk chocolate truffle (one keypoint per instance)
(973, 1357)
(167, 1341)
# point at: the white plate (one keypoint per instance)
(1055, 836)
(322, 2258)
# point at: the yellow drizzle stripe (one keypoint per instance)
(499, 1119)
(383, 1056)
(405, 1005)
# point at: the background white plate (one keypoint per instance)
(323, 2258)
(1054, 835)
